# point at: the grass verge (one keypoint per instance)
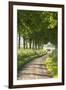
(51, 65)
(24, 56)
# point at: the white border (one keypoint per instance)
(23, 82)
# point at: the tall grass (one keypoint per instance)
(26, 55)
(52, 64)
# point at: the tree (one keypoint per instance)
(37, 28)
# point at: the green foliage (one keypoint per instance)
(51, 65)
(26, 55)
(40, 26)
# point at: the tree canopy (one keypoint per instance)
(37, 27)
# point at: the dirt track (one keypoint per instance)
(34, 70)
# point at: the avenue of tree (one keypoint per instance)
(37, 28)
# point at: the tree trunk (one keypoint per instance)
(19, 40)
(30, 43)
(33, 44)
(24, 43)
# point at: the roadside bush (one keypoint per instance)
(52, 65)
(26, 55)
